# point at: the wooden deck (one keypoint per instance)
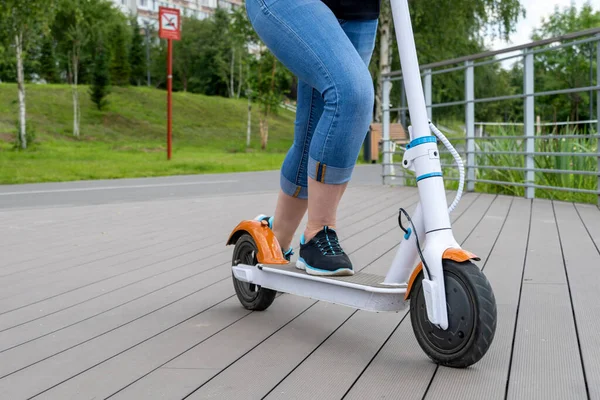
(135, 301)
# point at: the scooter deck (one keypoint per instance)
(361, 290)
(370, 281)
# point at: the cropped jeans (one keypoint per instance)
(330, 57)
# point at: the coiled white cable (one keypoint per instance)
(459, 162)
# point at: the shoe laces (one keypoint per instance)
(328, 242)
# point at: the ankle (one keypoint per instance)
(311, 231)
(284, 241)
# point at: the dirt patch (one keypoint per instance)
(7, 137)
(140, 149)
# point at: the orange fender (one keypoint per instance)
(458, 255)
(269, 250)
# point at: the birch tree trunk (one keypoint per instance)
(249, 126)
(385, 54)
(231, 73)
(239, 89)
(75, 92)
(264, 131)
(264, 122)
(21, 87)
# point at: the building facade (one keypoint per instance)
(147, 10)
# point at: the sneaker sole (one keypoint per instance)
(301, 264)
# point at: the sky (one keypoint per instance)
(536, 10)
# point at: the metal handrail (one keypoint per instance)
(486, 54)
(527, 141)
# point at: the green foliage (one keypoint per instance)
(100, 78)
(120, 68)
(98, 17)
(572, 66)
(137, 59)
(271, 83)
(48, 64)
(29, 18)
(448, 29)
(30, 136)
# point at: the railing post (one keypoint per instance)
(598, 110)
(470, 123)
(385, 109)
(529, 120)
(427, 89)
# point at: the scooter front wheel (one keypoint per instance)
(471, 317)
(252, 297)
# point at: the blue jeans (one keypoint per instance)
(330, 57)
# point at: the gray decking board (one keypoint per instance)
(177, 348)
(407, 384)
(196, 353)
(503, 268)
(189, 282)
(590, 216)
(582, 261)
(134, 290)
(122, 281)
(546, 362)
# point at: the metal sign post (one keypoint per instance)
(170, 29)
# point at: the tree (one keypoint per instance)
(436, 39)
(100, 77)
(119, 68)
(272, 82)
(20, 22)
(186, 51)
(136, 53)
(78, 36)
(572, 66)
(48, 66)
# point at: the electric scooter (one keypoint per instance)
(452, 305)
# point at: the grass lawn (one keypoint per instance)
(128, 138)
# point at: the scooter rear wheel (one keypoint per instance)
(471, 317)
(252, 297)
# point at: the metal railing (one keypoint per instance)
(530, 148)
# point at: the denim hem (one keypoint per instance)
(291, 189)
(327, 174)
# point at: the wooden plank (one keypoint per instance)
(178, 223)
(99, 289)
(582, 263)
(201, 355)
(101, 338)
(591, 220)
(546, 362)
(245, 332)
(503, 268)
(45, 374)
(125, 239)
(293, 386)
(401, 367)
(99, 304)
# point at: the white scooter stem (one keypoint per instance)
(422, 157)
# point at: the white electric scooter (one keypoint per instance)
(452, 305)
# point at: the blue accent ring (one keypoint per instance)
(407, 234)
(421, 140)
(430, 175)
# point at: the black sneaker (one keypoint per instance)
(286, 254)
(324, 256)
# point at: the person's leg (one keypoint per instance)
(324, 198)
(292, 200)
(308, 39)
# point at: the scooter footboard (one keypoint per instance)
(362, 291)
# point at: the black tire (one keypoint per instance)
(471, 317)
(251, 296)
